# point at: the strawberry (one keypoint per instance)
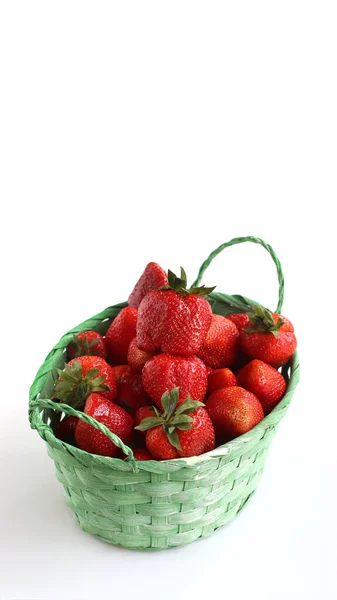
(142, 454)
(221, 346)
(174, 320)
(239, 319)
(269, 337)
(233, 411)
(164, 372)
(264, 381)
(87, 343)
(220, 378)
(82, 376)
(114, 417)
(131, 394)
(121, 372)
(142, 413)
(137, 357)
(153, 278)
(65, 430)
(209, 369)
(119, 335)
(184, 430)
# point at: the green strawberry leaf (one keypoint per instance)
(183, 276)
(177, 283)
(169, 402)
(174, 439)
(149, 422)
(165, 401)
(93, 343)
(202, 290)
(66, 375)
(188, 406)
(178, 419)
(92, 373)
(262, 321)
(184, 426)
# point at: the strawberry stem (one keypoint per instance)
(179, 284)
(172, 417)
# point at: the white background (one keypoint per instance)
(138, 131)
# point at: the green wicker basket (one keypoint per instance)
(152, 504)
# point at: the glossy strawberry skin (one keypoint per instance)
(158, 444)
(172, 323)
(165, 372)
(85, 338)
(65, 430)
(196, 441)
(137, 357)
(131, 394)
(275, 351)
(264, 381)
(233, 411)
(153, 278)
(95, 362)
(239, 319)
(114, 417)
(220, 378)
(221, 346)
(121, 372)
(119, 335)
(142, 454)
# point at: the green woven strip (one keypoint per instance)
(153, 505)
(241, 240)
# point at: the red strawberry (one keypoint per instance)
(220, 348)
(239, 319)
(87, 343)
(65, 430)
(174, 320)
(114, 417)
(264, 381)
(153, 278)
(131, 394)
(270, 337)
(137, 357)
(164, 372)
(121, 372)
(119, 335)
(220, 378)
(142, 454)
(233, 411)
(209, 369)
(82, 376)
(184, 430)
(142, 413)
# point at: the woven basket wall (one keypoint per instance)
(152, 504)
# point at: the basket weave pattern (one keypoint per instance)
(152, 504)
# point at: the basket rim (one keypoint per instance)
(226, 449)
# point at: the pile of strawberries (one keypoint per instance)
(170, 378)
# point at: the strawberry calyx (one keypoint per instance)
(73, 388)
(179, 284)
(262, 321)
(173, 417)
(81, 347)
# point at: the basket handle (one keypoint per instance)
(241, 240)
(41, 403)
